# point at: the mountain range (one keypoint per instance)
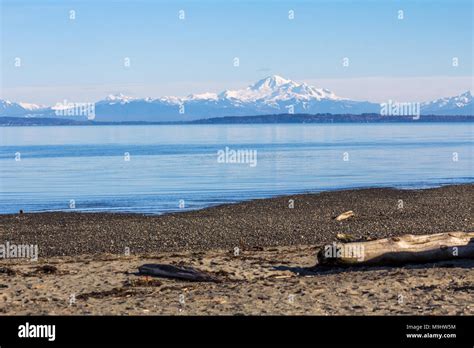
(269, 96)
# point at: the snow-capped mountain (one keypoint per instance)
(271, 95)
(118, 98)
(457, 105)
(274, 89)
(31, 107)
(8, 108)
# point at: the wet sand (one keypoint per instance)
(83, 269)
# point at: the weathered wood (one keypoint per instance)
(176, 272)
(345, 215)
(400, 250)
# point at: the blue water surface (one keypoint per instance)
(176, 167)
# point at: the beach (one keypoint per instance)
(263, 253)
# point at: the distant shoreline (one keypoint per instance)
(259, 119)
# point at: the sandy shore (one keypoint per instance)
(271, 281)
(83, 269)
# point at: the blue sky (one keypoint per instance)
(83, 59)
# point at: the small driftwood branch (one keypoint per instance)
(400, 250)
(345, 215)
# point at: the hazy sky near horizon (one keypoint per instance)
(83, 59)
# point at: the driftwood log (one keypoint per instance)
(400, 250)
(176, 272)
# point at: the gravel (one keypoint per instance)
(248, 225)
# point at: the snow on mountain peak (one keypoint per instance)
(201, 96)
(464, 99)
(273, 89)
(467, 94)
(8, 108)
(6, 103)
(457, 101)
(270, 82)
(119, 97)
(31, 107)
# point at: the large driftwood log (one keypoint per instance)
(400, 250)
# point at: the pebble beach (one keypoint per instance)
(262, 251)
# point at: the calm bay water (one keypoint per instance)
(173, 163)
